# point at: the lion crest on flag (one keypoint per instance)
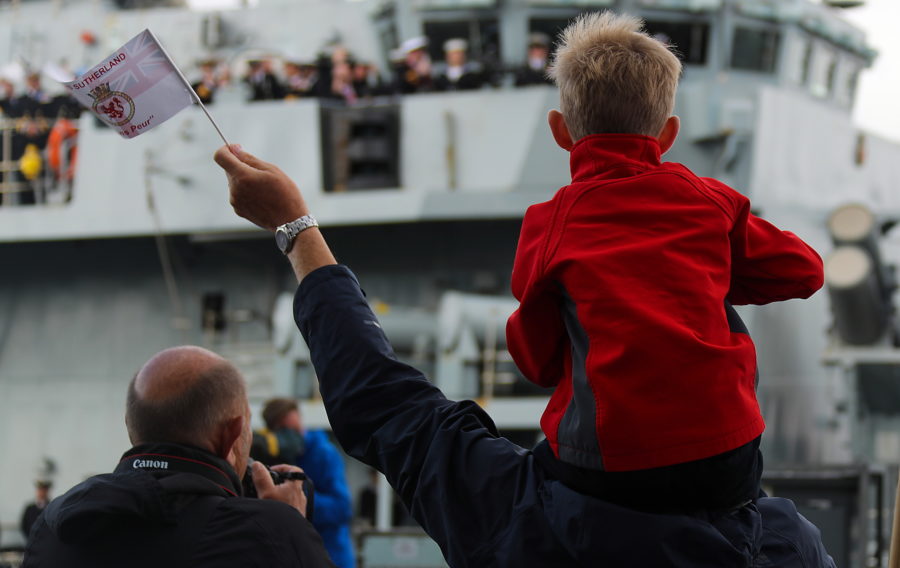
(116, 106)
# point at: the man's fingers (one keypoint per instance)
(226, 159)
(232, 159)
(290, 492)
(283, 468)
(261, 478)
(250, 159)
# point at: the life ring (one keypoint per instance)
(62, 149)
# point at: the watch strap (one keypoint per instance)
(297, 226)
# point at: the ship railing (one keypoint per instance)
(8, 167)
(36, 169)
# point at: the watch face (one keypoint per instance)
(281, 239)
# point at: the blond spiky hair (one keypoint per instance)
(613, 77)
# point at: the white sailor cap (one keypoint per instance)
(538, 39)
(455, 44)
(413, 44)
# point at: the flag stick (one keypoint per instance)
(189, 88)
(209, 116)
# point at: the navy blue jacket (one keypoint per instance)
(486, 501)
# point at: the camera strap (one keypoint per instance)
(176, 458)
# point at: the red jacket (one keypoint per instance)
(623, 279)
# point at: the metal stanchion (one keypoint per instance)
(894, 561)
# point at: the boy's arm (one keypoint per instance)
(768, 264)
(535, 333)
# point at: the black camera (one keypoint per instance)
(278, 478)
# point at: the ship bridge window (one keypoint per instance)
(845, 77)
(806, 64)
(689, 39)
(824, 72)
(829, 77)
(755, 49)
(852, 84)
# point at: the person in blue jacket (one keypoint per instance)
(484, 500)
(322, 463)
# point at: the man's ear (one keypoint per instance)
(228, 435)
(668, 134)
(560, 130)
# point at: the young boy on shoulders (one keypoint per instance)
(625, 281)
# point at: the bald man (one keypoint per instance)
(175, 497)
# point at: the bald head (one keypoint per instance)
(173, 370)
(182, 395)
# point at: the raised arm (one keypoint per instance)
(458, 478)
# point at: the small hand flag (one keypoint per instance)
(136, 88)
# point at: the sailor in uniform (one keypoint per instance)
(460, 74)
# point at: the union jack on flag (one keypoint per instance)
(145, 64)
(134, 89)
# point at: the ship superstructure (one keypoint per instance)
(421, 195)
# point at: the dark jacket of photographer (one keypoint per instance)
(170, 505)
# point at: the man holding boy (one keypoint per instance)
(484, 500)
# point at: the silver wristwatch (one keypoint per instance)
(285, 234)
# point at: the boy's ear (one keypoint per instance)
(560, 130)
(668, 134)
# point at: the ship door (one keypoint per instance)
(360, 147)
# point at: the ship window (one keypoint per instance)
(483, 36)
(852, 84)
(806, 64)
(822, 70)
(213, 312)
(754, 50)
(830, 76)
(361, 147)
(386, 28)
(689, 39)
